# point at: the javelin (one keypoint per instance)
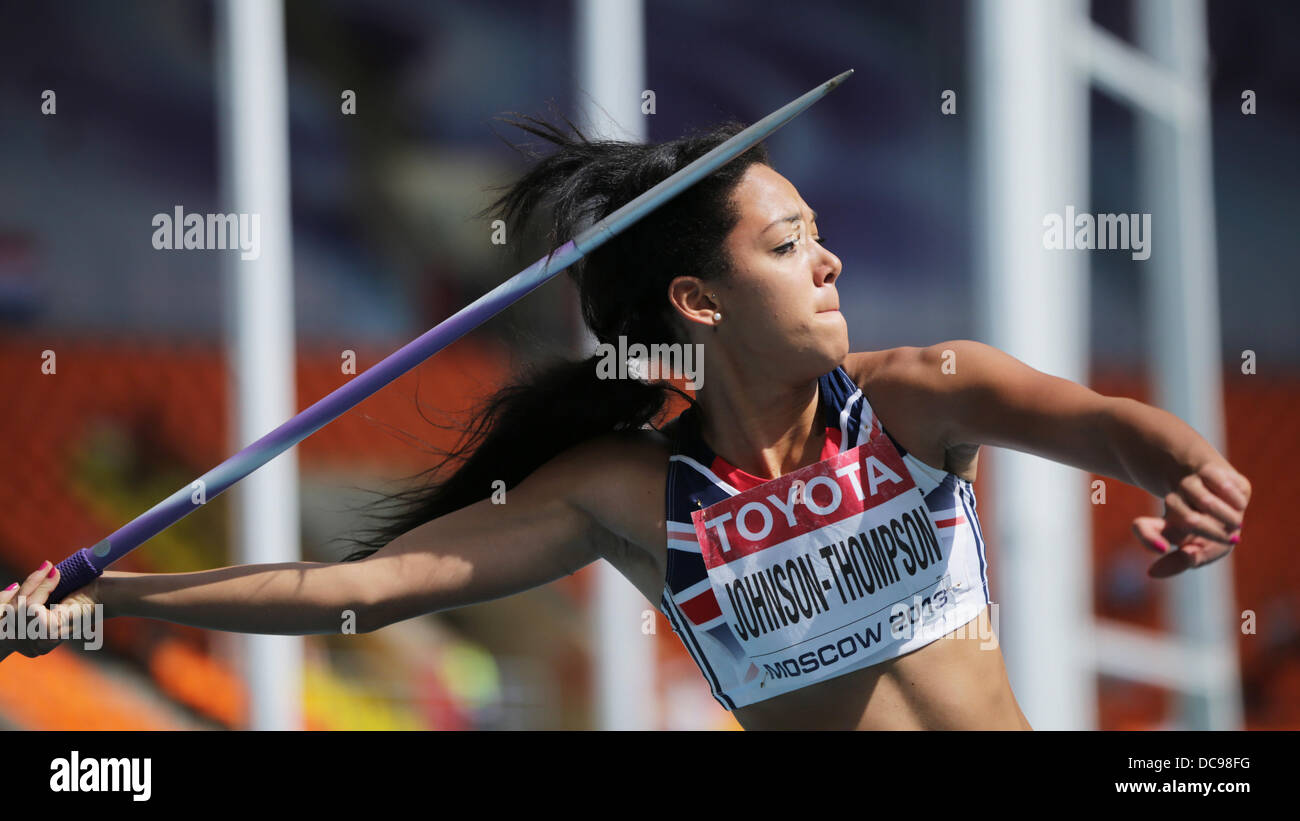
(86, 564)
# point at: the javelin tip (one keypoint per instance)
(834, 81)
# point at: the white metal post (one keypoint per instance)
(1165, 84)
(1031, 120)
(254, 148)
(1182, 295)
(611, 78)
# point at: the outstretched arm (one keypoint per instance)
(481, 552)
(286, 599)
(992, 398)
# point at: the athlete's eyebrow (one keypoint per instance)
(791, 218)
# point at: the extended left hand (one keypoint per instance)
(1202, 520)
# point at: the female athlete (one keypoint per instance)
(807, 525)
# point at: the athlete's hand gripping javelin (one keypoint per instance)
(43, 624)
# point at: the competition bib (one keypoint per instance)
(837, 560)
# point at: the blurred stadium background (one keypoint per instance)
(385, 247)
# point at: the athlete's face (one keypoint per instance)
(780, 306)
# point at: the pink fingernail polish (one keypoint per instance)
(45, 564)
(1164, 547)
(11, 587)
(1236, 537)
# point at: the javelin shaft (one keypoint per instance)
(83, 566)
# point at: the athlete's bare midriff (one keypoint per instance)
(958, 682)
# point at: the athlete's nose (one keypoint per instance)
(829, 268)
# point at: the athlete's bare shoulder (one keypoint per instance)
(860, 365)
(619, 479)
(905, 387)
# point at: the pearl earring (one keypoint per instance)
(717, 317)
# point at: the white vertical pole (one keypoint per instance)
(611, 78)
(1031, 140)
(255, 180)
(1182, 294)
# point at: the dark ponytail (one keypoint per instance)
(623, 288)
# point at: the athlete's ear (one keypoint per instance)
(693, 299)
